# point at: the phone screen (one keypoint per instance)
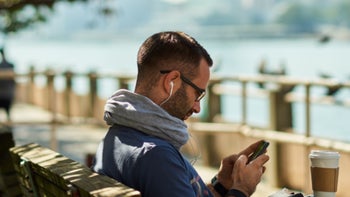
(260, 150)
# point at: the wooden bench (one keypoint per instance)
(44, 172)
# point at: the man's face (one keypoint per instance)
(178, 104)
(183, 103)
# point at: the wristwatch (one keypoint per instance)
(218, 186)
(236, 193)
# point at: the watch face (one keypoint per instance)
(214, 180)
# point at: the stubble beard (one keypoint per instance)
(178, 105)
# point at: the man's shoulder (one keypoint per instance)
(137, 135)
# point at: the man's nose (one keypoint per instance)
(197, 107)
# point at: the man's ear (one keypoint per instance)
(171, 82)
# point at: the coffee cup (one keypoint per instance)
(324, 172)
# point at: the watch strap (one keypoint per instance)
(236, 193)
(218, 186)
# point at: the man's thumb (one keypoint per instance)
(242, 160)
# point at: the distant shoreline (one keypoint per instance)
(208, 33)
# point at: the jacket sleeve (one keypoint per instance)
(161, 172)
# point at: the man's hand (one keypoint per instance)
(247, 176)
(227, 168)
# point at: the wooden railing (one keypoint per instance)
(65, 101)
(282, 82)
(288, 150)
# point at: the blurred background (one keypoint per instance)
(238, 34)
(306, 39)
(305, 42)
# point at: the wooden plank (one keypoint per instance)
(45, 186)
(26, 192)
(24, 182)
(97, 185)
(53, 173)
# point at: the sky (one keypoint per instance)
(130, 18)
(137, 17)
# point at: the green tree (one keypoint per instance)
(344, 13)
(16, 15)
(300, 17)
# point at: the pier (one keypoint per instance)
(55, 113)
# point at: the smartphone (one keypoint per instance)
(260, 150)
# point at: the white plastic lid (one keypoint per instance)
(324, 154)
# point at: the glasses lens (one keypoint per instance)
(201, 96)
(199, 90)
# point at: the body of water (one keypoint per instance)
(304, 58)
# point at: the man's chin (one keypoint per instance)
(183, 118)
(187, 117)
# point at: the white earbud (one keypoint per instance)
(171, 88)
(171, 93)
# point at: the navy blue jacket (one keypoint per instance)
(147, 163)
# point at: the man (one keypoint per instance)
(141, 148)
(7, 85)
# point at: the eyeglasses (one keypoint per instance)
(201, 92)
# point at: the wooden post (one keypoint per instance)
(244, 102)
(50, 89)
(93, 92)
(213, 103)
(31, 84)
(307, 129)
(123, 83)
(50, 75)
(307, 110)
(68, 93)
(213, 108)
(281, 117)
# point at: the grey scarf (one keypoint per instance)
(138, 112)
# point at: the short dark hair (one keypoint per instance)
(170, 50)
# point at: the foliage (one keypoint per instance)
(300, 17)
(16, 15)
(306, 17)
